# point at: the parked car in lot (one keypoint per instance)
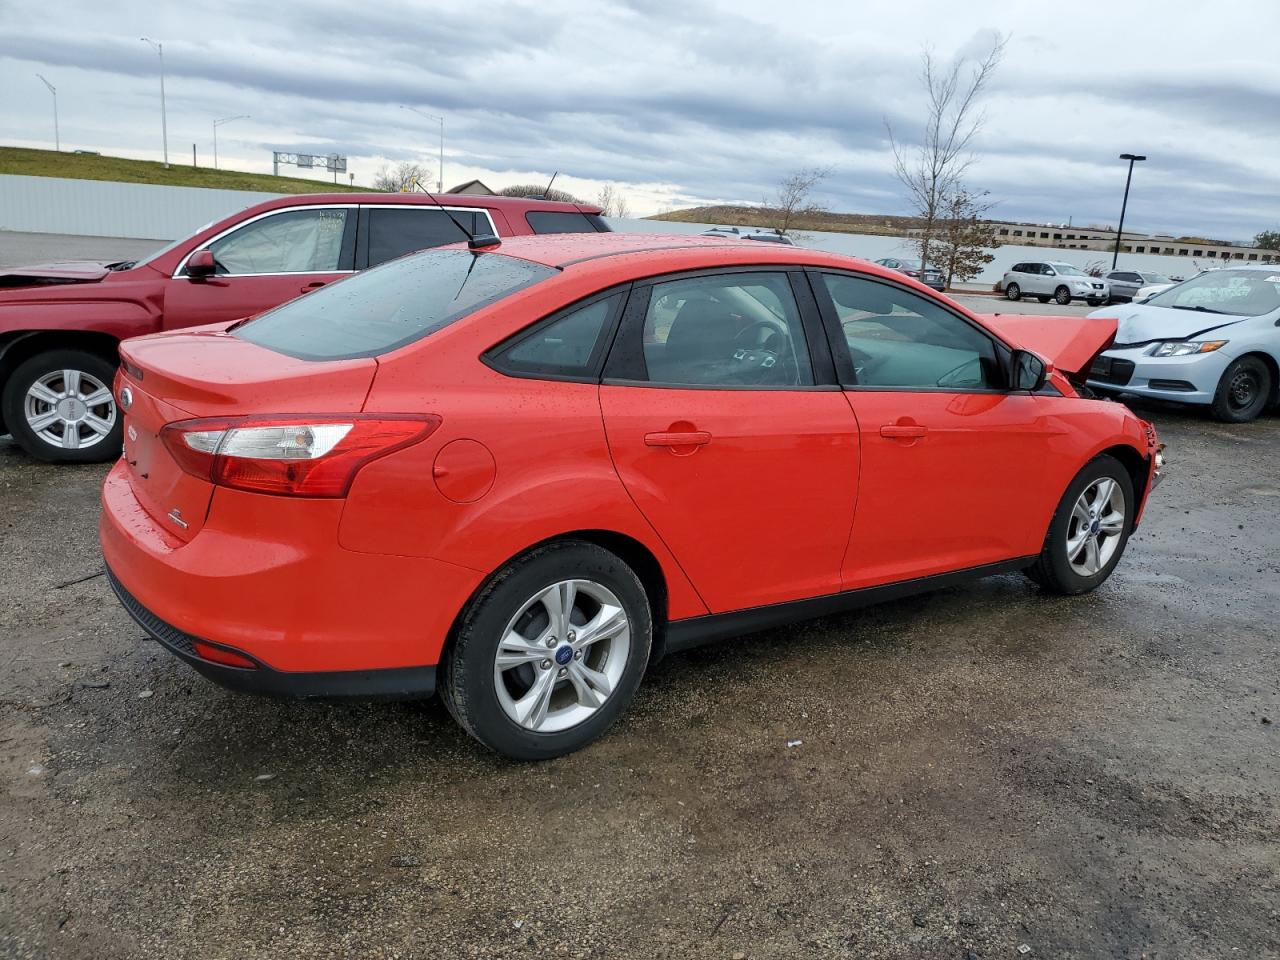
(1051, 280)
(930, 276)
(1128, 284)
(760, 236)
(519, 476)
(1212, 340)
(60, 323)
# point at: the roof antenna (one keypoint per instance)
(546, 194)
(475, 241)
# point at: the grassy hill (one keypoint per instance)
(78, 166)
(741, 216)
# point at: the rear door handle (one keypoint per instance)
(314, 284)
(903, 431)
(690, 438)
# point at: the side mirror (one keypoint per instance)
(1029, 371)
(201, 264)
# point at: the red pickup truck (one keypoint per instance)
(60, 323)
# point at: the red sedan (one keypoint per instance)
(518, 475)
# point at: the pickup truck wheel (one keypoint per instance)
(59, 407)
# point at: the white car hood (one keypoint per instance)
(1141, 323)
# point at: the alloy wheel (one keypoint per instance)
(1096, 527)
(70, 409)
(562, 655)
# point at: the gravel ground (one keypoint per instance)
(979, 769)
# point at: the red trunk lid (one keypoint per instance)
(208, 373)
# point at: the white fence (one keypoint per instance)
(101, 208)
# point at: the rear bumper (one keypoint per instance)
(403, 683)
(266, 576)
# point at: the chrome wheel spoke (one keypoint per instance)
(531, 709)
(96, 424)
(1091, 562)
(591, 686)
(71, 383)
(44, 420)
(1111, 524)
(98, 397)
(515, 651)
(1076, 544)
(39, 391)
(71, 437)
(605, 625)
(559, 600)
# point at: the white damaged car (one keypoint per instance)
(1212, 340)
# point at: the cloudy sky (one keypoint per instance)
(681, 102)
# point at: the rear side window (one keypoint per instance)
(549, 221)
(395, 231)
(567, 346)
(380, 310)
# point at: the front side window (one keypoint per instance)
(292, 241)
(1241, 293)
(395, 231)
(382, 309)
(568, 346)
(726, 330)
(897, 338)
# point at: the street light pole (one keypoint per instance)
(440, 170)
(164, 116)
(57, 139)
(216, 125)
(1132, 158)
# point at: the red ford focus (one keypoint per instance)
(519, 475)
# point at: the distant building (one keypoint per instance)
(474, 188)
(1102, 239)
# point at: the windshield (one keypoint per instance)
(1067, 270)
(1154, 278)
(167, 247)
(382, 309)
(1241, 293)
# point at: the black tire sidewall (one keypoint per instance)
(1221, 405)
(467, 681)
(30, 370)
(1013, 292)
(1054, 569)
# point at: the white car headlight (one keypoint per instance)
(1183, 348)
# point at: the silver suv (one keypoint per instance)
(1050, 280)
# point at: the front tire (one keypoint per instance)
(59, 407)
(1242, 392)
(1062, 296)
(550, 652)
(1013, 292)
(1089, 529)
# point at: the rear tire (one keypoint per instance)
(1013, 292)
(1062, 296)
(1098, 506)
(496, 700)
(44, 407)
(1242, 392)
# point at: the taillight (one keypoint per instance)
(290, 456)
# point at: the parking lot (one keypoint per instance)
(977, 770)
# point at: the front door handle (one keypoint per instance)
(687, 438)
(313, 285)
(903, 431)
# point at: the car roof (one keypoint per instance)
(620, 256)
(515, 205)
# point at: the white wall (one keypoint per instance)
(102, 208)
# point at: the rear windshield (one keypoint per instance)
(550, 221)
(382, 309)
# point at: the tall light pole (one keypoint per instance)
(216, 125)
(57, 140)
(1132, 158)
(164, 117)
(432, 116)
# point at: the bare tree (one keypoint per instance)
(402, 178)
(612, 202)
(538, 191)
(933, 170)
(792, 201)
(963, 235)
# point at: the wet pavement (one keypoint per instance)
(979, 769)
